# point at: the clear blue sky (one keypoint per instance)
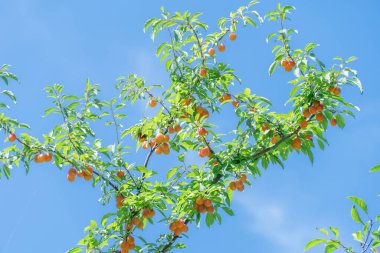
(65, 42)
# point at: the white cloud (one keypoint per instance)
(273, 221)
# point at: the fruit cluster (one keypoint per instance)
(127, 244)
(148, 213)
(119, 201)
(296, 143)
(136, 221)
(203, 113)
(161, 141)
(316, 109)
(334, 90)
(72, 173)
(40, 158)
(211, 52)
(288, 64)
(203, 205)
(178, 227)
(238, 184)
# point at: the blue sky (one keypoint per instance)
(66, 42)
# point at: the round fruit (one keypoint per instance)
(88, 173)
(337, 91)
(303, 124)
(70, 177)
(265, 127)
(152, 102)
(243, 177)
(306, 113)
(153, 142)
(232, 36)
(166, 138)
(130, 239)
(239, 186)
(284, 63)
(89, 170)
(165, 148)
(199, 201)
(202, 72)
(171, 129)
(159, 138)
(291, 63)
(204, 152)
(145, 144)
(296, 143)
(221, 47)
(145, 213)
(207, 203)
(48, 157)
(119, 201)
(211, 51)
(87, 176)
(136, 221)
(186, 101)
(319, 117)
(12, 137)
(177, 128)
(232, 186)
(120, 174)
(202, 131)
(158, 150)
(39, 158)
(226, 96)
(274, 139)
(72, 171)
(312, 110)
(210, 209)
(333, 122)
(235, 103)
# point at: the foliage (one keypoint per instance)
(368, 236)
(200, 87)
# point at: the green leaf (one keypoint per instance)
(323, 231)
(210, 219)
(330, 248)
(376, 235)
(294, 90)
(171, 173)
(310, 47)
(355, 216)
(358, 236)
(313, 243)
(228, 210)
(375, 169)
(273, 67)
(359, 202)
(74, 250)
(340, 121)
(335, 231)
(7, 171)
(9, 94)
(352, 58)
